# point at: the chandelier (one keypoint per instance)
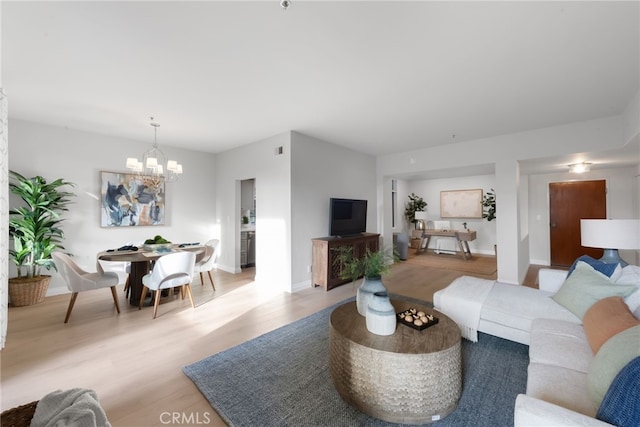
(154, 162)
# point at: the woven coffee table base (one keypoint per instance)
(396, 387)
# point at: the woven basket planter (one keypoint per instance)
(25, 291)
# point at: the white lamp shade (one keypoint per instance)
(152, 162)
(610, 233)
(132, 163)
(172, 165)
(421, 215)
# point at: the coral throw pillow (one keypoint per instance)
(605, 319)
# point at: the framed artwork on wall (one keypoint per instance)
(131, 200)
(461, 204)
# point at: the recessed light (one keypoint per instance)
(580, 167)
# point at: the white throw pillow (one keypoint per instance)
(631, 276)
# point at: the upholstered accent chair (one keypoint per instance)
(79, 280)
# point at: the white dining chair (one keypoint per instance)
(169, 271)
(122, 269)
(208, 261)
(79, 280)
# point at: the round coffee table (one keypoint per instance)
(410, 377)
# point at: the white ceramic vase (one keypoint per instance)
(365, 292)
(381, 315)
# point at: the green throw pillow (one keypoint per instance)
(614, 355)
(585, 287)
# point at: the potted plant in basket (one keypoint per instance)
(34, 229)
(370, 266)
(415, 204)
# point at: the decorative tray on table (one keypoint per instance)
(157, 247)
(416, 319)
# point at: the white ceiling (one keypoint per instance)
(378, 77)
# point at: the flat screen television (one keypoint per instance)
(347, 217)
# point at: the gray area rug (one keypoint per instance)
(282, 379)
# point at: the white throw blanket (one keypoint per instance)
(76, 407)
(462, 301)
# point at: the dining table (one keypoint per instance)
(141, 261)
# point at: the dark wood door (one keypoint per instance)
(568, 203)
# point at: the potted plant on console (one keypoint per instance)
(34, 229)
(371, 267)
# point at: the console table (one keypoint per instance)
(463, 237)
(324, 270)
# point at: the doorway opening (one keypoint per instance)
(248, 223)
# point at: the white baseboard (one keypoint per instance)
(296, 287)
(539, 262)
(229, 269)
(55, 289)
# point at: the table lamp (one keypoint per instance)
(610, 235)
(422, 217)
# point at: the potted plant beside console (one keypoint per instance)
(34, 229)
(489, 210)
(489, 205)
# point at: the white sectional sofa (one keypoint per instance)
(559, 386)
(509, 310)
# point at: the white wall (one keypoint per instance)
(505, 151)
(292, 202)
(621, 204)
(319, 171)
(4, 218)
(631, 119)
(272, 173)
(53, 152)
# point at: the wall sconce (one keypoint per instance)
(580, 167)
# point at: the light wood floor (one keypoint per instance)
(134, 363)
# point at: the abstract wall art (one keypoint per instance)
(131, 200)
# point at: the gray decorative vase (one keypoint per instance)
(370, 285)
(381, 315)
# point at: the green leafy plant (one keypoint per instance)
(371, 265)
(415, 204)
(489, 205)
(157, 240)
(34, 227)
